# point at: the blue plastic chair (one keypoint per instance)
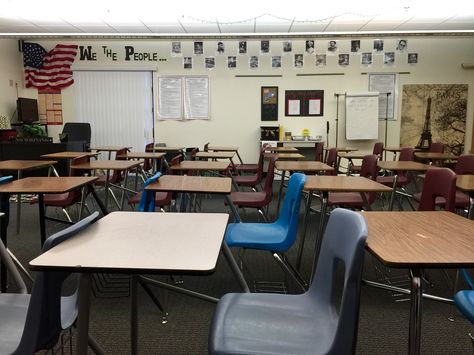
(276, 237)
(319, 321)
(34, 322)
(147, 198)
(464, 300)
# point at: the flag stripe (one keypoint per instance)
(48, 70)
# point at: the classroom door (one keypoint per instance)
(118, 105)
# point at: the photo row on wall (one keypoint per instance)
(329, 49)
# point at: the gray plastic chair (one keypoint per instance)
(34, 322)
(315, 322)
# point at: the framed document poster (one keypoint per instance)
(269, 103)
(304, 103)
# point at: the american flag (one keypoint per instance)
(48, 70)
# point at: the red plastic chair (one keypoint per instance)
(67, 199)
(258, 199)
(377, 150)
(464, 165)
(116, 178)
(249, 168)
(404, 178)
(354, 199)
(439, 182)
(318, 152)
(331, 160)
(252, 180)
(436, 147)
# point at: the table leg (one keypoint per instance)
(42, 218)
(18, 207)
(97, 199)
(133, 315)
(319, 236)
(394, 192)
(280, 191)
(106, 187)
(122, 199)
(303, 231)
(3, 234)
(364, 200)
(83, 315)
(470, 214)
(237, 218)
(234, 267)
(414, 334)
(238, 156)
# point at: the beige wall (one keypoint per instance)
(235, 102)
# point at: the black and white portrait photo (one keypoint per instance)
(355, 45)
(402, 45)
(242, 47)
(378, 45)
(187, 62)
(298, 60)
(332, 46)
(210, 62)
(287, 46)
(198, 48)
(276, 61)
(309, 47)
(253, 62)
(412, 58)
(175, 48)
(232, 62)
(264, 46)
(343, 59)
(389, 58)
(366, 58)
(220, 48)
(320, 60)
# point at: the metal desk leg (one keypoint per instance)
(364, 200)
(281, 190)
(83, 316)
(304, 226)
(106, 199)
(3, 235)
(319, 236)
(237, 218)
(394, 192)
(414, 334)
(470, 214)
(133, 315)
(234, 267)
(42, 218)
(18, 207)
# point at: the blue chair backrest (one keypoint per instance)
(290, 210)
(44, 318)
(5, 203)
(343, 242)
(147, 199)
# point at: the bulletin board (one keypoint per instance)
(304, 103)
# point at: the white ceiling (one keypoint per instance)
(186, 17)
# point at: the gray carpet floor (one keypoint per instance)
(383, 323)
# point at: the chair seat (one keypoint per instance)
(461, 200)
(298, 324)
(261, 236)
(246, 180)
(346, 199)
(388, 180)
(161, 199)
(464, 301)
(249, 199)
(59, 200)
(252, 168)
(13, 309)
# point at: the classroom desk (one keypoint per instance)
(122, 242)
(431, 157)
(466, 183)
(68, 156)
(226, 149)
(300, 166)
(107, 165)
(196, 184)
(110, 149)
(161, 149)
(396, 150)
(201, 165)
(395, 167)
(154, 156)
(20, 166)
(44, 185)
(326, 184)
(281, 149)
(436, 239)
(284, 156)
(216, 155)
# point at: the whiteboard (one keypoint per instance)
(362, 111)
